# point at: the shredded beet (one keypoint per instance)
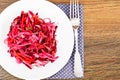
(31, 40)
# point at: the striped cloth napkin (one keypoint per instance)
(67, 71)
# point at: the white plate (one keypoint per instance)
(64, 36)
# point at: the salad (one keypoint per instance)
(32, 40)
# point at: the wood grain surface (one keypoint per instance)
(101, 39)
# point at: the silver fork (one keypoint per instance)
(75, 20)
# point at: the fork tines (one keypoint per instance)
(74, 9)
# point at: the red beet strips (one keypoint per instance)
(31, 40)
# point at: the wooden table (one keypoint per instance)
(101, 38)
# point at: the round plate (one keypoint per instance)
(64, 37)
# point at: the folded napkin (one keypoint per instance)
(67, 71)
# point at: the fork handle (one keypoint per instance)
(78, 72)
